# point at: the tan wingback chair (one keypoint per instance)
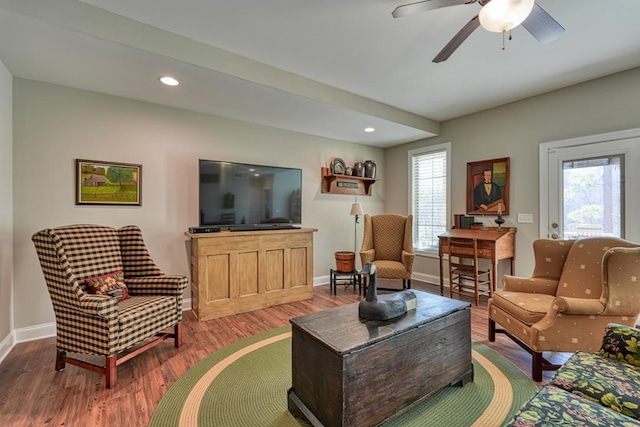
(101, 324)
(388, 243)
(577, 288)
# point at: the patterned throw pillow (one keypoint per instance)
(111, 284)
(621, 343)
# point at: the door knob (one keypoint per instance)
(554, 236)
(554, 225)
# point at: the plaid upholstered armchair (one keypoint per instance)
(577, 288)
(108, 295)
(388, 243)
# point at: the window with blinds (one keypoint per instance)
(428, 193)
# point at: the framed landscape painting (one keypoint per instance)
(488, 187)
(108, 183)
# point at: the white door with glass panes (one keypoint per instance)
(590, 187)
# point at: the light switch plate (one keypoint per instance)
(525, 218)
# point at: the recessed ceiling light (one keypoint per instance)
(369, 129)
(169, 81)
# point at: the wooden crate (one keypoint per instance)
(352, 372)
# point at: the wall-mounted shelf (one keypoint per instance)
(345, 184)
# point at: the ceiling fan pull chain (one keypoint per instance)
(504, 47)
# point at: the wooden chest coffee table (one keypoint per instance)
(348, 371)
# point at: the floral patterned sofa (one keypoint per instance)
(592, 389)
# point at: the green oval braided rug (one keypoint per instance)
(245, 384)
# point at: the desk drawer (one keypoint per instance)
(484, 244)
(485, 249)
(482, 253)
(460, 251)
(485, 252)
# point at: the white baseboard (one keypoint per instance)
(321, 280)
(7, 345)
(32, 333)
(428, 278)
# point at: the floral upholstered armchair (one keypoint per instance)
(577, 288)
(388, 243)
(108, 295)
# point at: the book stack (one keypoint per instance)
(463, 221)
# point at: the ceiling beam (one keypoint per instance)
(96, 22)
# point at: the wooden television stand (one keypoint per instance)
(236, 272)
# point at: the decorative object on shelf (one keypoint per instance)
(356, 209)
(348, 171)
(337, 166)
(384, 307)
(345, 184)
(499, 220)
(370, 169)
(108, 183)
(358, 169)
(488, 186)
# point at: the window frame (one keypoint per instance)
(411, 154)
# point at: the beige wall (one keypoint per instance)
(6, 207)
(53, 125)
(516, 130)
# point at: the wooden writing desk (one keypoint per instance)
(492, 245)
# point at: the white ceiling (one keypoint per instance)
(328, 68)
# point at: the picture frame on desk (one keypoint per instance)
(488, 187)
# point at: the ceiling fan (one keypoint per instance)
(496, 15)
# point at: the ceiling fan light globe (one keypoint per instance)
(499, 16)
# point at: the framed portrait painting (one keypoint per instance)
(108, 183)
(488, 187)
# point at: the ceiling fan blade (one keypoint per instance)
(423, 6)
(542, 26)
(457, 40)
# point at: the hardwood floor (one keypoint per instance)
(32, 393)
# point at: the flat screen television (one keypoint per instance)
(241, 195)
